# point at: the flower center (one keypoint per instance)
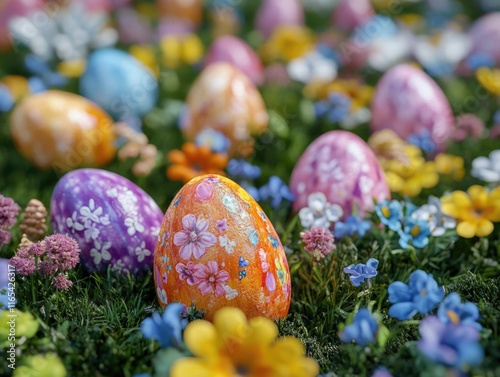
(386, 211)
(211, 279)
(415, 231)
(193, 236)
(453, 317)
(423, 292)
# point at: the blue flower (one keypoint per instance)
(362, 330)
(496, 117)
(215, 140)
(241, 169)
(421, 295)
(448, 344)
(6, 100)
(390, 214)
(478, 60)
(336, 107)
(416, 230)
(381, 372)
(167, 328)
(351, 226)
(275, 191)
(44, 76)
(252, 190)
(423, 140)
(361, 271)
(453, 311)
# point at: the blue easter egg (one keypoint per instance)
(119, 83)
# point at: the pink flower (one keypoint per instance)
(210, 279)
(62, 251)
(186, 272)
(5, 237)
(221, 225)
(194, 239)
(23, 266)
(495, 132)
(61, 282)
(204, 192)
(318, 241)
(8, 212)
(468, 125)
(46, 268)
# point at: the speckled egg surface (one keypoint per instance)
(114, 221)
(226, 100)
(408, 101)
(63, 131)
(217, 248)
(344, 168)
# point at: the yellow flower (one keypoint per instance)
(448, 164)
(146, 54)
(177, 50)
(359, 93)
(489, 79)
(72, 68)
(17, 85)
(475, 211)
(387, 145)
(288, 43)
(25, 324)
(233, 347)
(48, 365)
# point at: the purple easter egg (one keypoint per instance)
(351, 14)
(485, 34)
(275, 13)
(237, 52)
(408, 101)
(4, 272)
(114, 221)
(344, 168)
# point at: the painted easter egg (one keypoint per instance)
(217, 248)
(344, 168)
(352, 13)
(190, 11)
(119, 83)
(409, 102)
(62, 130)
(224, 99)
(237, 52)
(114, 221)
(274, 13)
(485, 33)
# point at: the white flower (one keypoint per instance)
(142, 252)
(312, 67)
(230, 293)
(112, 193)
(319, 212)
(355, 118)
(100, 252)
(387, 51)
(128, 201)
(73, 224)
(225, 242)
(133, 226)
(90, 213)
(431, 213)
(91, 232)
(487, 168)
(162, 295)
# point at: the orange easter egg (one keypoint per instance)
(61, 130)
(217, 248)
(186, 10)
(224, 99)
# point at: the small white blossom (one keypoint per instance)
(431, 213)
(319, 212)
(487, 168)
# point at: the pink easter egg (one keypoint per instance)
(344, 168)
(351, 14)
(485, 34)
(10, 9)
(275, 13)
(237, 52)
(408, 101)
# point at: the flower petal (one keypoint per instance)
(484, 228)
(201, 338)
(466, 229)
(190, 366)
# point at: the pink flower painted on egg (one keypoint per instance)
(186, 272)
(270, 282)
(204, 192)
(194, 239)
(211, 279)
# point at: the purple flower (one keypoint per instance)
(242, 170)
(351, 226)
(381, 372)
(5, 237)
(362, 330)
(361, 271)
(167, 328)
(423, 140)
(336, 107)
(8, 212)
(204, 192)
(221, 225)
(61, 282)
(448, 344)
(453, 311)
(275, 191)
(421, 295)
(63, 252)
(186, 272)
(194, 239)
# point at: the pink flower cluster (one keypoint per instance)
(318, 241)
(468, 126)
(54, 254)
(8, 214)
(208, 277)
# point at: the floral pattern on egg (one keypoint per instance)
(115, 222)
(217, 248)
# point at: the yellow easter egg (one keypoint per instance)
(63, 131)
(217, 248)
